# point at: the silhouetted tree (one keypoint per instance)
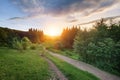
(68, 35)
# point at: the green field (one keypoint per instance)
(26, 65)
(71, 72)
(29, 65)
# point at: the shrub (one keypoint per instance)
(59, 45)
(25, 43)
(21, 44)
(33, 47)
(16, 44)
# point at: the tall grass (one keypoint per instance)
(26, 65)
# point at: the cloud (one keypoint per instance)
(71, 19)
(105, 19)
(63, 7)
(16, 18)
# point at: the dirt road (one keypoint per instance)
(86, 67)
(57, 74)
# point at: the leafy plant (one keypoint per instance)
(16, 44)
(33, 47)
(100, 46)
(25, 43)
(21, 44)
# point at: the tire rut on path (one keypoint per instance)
(57, 73)
(87, 67)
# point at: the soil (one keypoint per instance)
(56, 73)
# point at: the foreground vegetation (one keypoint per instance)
(71, 72)
(25, 65)
(28, 65)
(100, 46)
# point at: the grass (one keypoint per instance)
(67, 52)
(71, 72)
(26, 65)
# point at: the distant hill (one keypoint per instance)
(7, 35)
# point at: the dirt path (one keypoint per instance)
(86, 67)
(57, 74)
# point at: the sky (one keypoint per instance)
(54, 15)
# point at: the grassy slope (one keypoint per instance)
(27, 65)
(66, 52)
(71, 72)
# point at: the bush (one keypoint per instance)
(16, 44)
(21, 44)
(104, 54)
(33, 47)
(25, 43)
(59, 45)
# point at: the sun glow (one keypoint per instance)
(53, 31)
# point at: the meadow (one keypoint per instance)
(25, 65)
(29, 65)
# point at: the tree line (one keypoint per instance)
(66, 39)
(7, 36)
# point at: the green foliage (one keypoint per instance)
(36, 36)
(23, 44)
(7, 35)
(16, 44)
(61, 50)
(104, 54)
(59, 45)
(100, 46)
(114, 32)
(33, 47)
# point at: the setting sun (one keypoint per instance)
(53, 31)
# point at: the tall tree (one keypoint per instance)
(68, 35)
